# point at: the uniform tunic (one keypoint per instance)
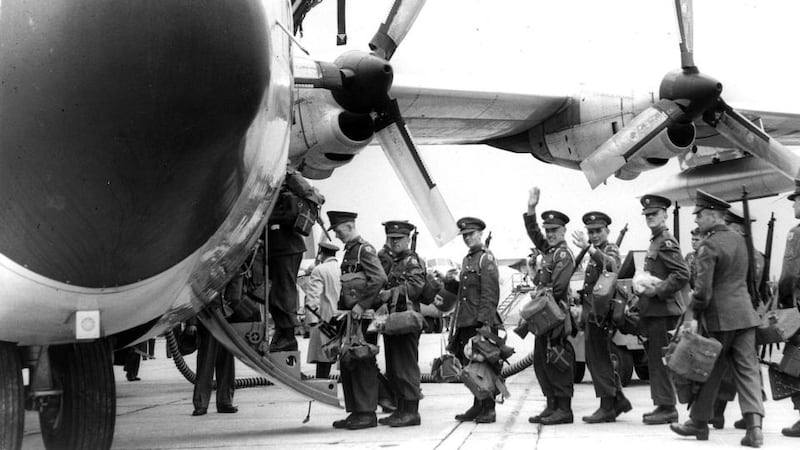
(659, 313)
(722, 300)
(790, 278)
(556, 272)
(360, 379)
(406, 279)
(597, 337)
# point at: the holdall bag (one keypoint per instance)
(542, 312)
(446, 369)
(405, 322)
(778, 325)
(482, 381)
(782, 385)
(355, 348)
(691, 355)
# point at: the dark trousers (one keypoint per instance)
(554, 381)
(461, 337)
(211, 357)
(655, 330)
(360, 383)
(598, 360)
(402, 365)
(283, 303)
(738, 351)
(386, 393)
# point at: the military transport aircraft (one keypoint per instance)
(142, 145)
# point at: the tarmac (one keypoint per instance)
(155, 413)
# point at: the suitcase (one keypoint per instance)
(782, 385)
(692, 356)
(542, 312)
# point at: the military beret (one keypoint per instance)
(796, 191)
(470, 224)
(596, 219)
(328, 246)
(554, 219)
(340, 217)
(652, 203)
(398, 228)
(734, 216)
(704, 200)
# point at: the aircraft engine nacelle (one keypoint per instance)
(673, 141)
(324, 136)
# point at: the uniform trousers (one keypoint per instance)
(402, 364)
(461, 337)
(598, 360)
(283, 302)
(738, 350)
(655, 330)
(360, 382)
(553, 380)
(211, 357)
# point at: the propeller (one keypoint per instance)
(687, 95)
(360, 83)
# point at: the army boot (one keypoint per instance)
(409, 416)
(696, 428)
(471, 413)
(343, 422)
(362, 420)
(718, 421)
(562, 414)
(792, 431)
(394, 416)
(753, 437)
(487, 414)
(740, 424)
(661, 415)
(621, 403)
(605, 413)
(550, 409)
(283, 340)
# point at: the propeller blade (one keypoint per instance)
(683, 12)
(392, 31)
(407, 163)
(614, 153)
(748, 137)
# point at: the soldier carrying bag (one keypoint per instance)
(542, 312)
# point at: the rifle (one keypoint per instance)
(324, 228)
(325, 328)
(488, 240)
(752, 288)
(414, 241)
(676, 222)
(763, 285)
(621, 236)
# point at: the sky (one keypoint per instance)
(556, 48)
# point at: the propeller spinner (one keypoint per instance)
(687, 95)
(362, 87)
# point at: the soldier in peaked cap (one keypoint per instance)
(478, 293)
(787, 286)
(406, 278)
(362, 279)
(721, 302)
(661, 305)
(553, 356)
(603, 256)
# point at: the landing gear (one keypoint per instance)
(83, 415)
(12, 408)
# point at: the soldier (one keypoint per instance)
(722, 302)
(696, 238)
(553, 356)
(406, 278)
(603, 256)
(359, 379)
(788, 284)
(322, 294)
(661, 305)
(478, 293)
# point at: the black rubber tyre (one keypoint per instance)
(579, 370)
(12, 406)
(622, 361)
(83, 416)
(642, 371)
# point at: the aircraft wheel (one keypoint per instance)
(12, 406)
(578, 372)
(83, 416)
(622, 360)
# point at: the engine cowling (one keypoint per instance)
(673, 141)
(325, 136)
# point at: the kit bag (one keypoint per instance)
(542, 312)
(446, 368)
(777, 325)
(691, 355)
(403, 322)
(354, 347)
(482, 381)
(353, 285)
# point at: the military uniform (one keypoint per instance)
(406, 277)
(360, 378)
(607, 385)
(478, 294)
(722, 302)
(788, 285)
(553, 355)
(659, 312)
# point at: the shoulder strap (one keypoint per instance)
(480, 261)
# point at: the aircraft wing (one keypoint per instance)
(445, 116)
